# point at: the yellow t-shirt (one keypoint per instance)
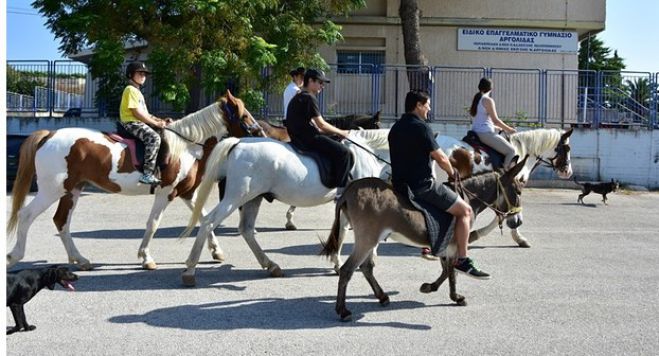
(132, 98)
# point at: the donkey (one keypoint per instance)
(376, 212)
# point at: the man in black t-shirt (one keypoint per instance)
(308, 129)
(413, 150)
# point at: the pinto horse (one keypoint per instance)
(67, 159)
(550, 147)
(375, 212)
(254, 168)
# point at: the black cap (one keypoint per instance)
(315, 74)
(135, 67)
(298, 71)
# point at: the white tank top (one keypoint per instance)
(482, 122)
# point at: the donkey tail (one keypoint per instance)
(211, 176)
(24, 175)
(331, 246)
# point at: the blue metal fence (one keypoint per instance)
(523, 96)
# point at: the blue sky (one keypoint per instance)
(630, 28)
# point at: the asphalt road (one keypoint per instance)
(587, 286)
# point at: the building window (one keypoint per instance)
(359, 62)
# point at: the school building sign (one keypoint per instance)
(517, 40)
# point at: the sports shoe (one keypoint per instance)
(425, 253)
(466, 265)
(149, 179)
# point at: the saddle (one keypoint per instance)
(136, 148)
(327, 174)
(496, 159)
(437, 221)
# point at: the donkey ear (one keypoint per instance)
(514, 171)
(377, 116)
(513, 162)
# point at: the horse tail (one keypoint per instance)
(24, 175)
(331, 246)
(211, 176)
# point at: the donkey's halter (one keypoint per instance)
(511, 210)
(233, 118)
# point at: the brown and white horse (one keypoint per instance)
(376, 213)
(67, 159)
(550, 147)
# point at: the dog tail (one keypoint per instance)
(24, 175)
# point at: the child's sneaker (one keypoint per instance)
(149, 179)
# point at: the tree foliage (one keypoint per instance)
(593, 55)
(198, 46)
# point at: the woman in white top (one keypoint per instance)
(297, 76)
(486, 122)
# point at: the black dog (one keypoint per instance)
(25, 284)
(599, 188)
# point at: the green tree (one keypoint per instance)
(198, 46)
(24, 82)
(593, 55)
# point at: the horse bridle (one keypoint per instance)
(501, 215)
(562, 150)
(249, 129)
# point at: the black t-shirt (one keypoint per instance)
(302, 108)
(410, 143)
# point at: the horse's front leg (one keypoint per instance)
(160, 203)
(517, 237)
(289, 219)
(248, 214)
(213, 245)
(62, 220)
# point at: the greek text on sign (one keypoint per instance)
(517, 40)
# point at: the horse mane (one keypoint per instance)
(535, 142)
(198, 127)
(376, 139)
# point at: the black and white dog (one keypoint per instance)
(599, 188)
(25, 284)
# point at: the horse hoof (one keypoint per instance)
(524, 244)
(275, 271)
(460, 301)
(346, 316)
(384, 301)
(150, 266)
(218, 256)
(85, 266)
(291, 226)
(426, 288)
(188, 280)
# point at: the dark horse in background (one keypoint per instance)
(350, 122)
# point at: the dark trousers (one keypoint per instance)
(338, 154)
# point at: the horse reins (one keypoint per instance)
(367, 150)
(183, 137)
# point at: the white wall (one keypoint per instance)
(630, 156)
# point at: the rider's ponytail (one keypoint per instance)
(484, 86)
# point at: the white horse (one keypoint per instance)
(67, 159)
(551, 146)
(254, 168)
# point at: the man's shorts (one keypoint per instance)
(438, 195)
